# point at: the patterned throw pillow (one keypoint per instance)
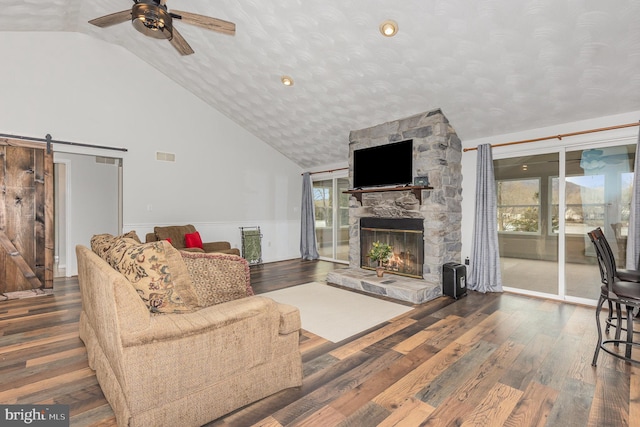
(218, 278)
(102, 243)
(114, 254)
(158, 274)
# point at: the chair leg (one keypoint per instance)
(609, 317)
(618, 323)
(629, 331)
(599, 327)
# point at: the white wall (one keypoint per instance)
(84, 90)
(623, 136)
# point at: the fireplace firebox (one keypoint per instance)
(406, 237)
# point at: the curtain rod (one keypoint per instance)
(560, 136)
(327, 171)
(48, 141)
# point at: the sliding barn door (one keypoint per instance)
(26, 216)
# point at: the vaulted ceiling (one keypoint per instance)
(492, 66)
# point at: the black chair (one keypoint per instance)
(622, 274)
(614, 290)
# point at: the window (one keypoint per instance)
(519, 205)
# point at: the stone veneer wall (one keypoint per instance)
(437, 153)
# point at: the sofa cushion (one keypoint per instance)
(175, 233)
(218, 278)
(158, 274)
(193, 240)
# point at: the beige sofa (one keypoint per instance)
(176, 234)
(189, 368)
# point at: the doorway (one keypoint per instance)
(88, 193)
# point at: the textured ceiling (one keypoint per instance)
(492, 66)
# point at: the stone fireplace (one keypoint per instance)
(431, 215)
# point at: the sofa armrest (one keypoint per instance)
(168, 327)
(289, 318)
(216, 246)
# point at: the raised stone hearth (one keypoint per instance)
(415, 291)
(437, 153)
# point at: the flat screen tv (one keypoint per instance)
(384, 165)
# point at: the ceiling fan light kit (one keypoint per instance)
(153, 19)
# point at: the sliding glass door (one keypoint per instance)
(332, 218)
(598, 189)
(528, 246)
(546, 205)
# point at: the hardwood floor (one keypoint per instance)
(485, 360)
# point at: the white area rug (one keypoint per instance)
(336, 314)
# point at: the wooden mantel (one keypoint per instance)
(416, 189)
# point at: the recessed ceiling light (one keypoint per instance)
(389, 28)
(286, 80)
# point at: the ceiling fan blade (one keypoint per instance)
(180, 43)
(206, 22)
(112, 19)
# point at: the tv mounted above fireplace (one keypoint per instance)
(384, 165)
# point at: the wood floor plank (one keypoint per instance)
(486, 375)
(352, 400)
(31, 344)
(368, 415)
(13, 395)
(610, 406)
(55, 357)
(534, 407)
(355, 346)
(495, 408)
(445, 384)
(411, 412)
(325, 416)
(426, 372)
(571, 407)
(528, 362)
(426, 334)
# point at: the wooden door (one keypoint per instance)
(26, 216)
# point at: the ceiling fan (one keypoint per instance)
(153, 19)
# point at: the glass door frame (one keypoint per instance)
(333, 176)
(561, 150)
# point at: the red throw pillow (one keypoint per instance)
(168, 239)
(193, 240)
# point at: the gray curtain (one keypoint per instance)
(485, 273)
(633, 240)
(308, 244)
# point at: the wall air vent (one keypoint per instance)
(165, 157)
(106, 160)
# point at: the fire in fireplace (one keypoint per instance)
(406, 237)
